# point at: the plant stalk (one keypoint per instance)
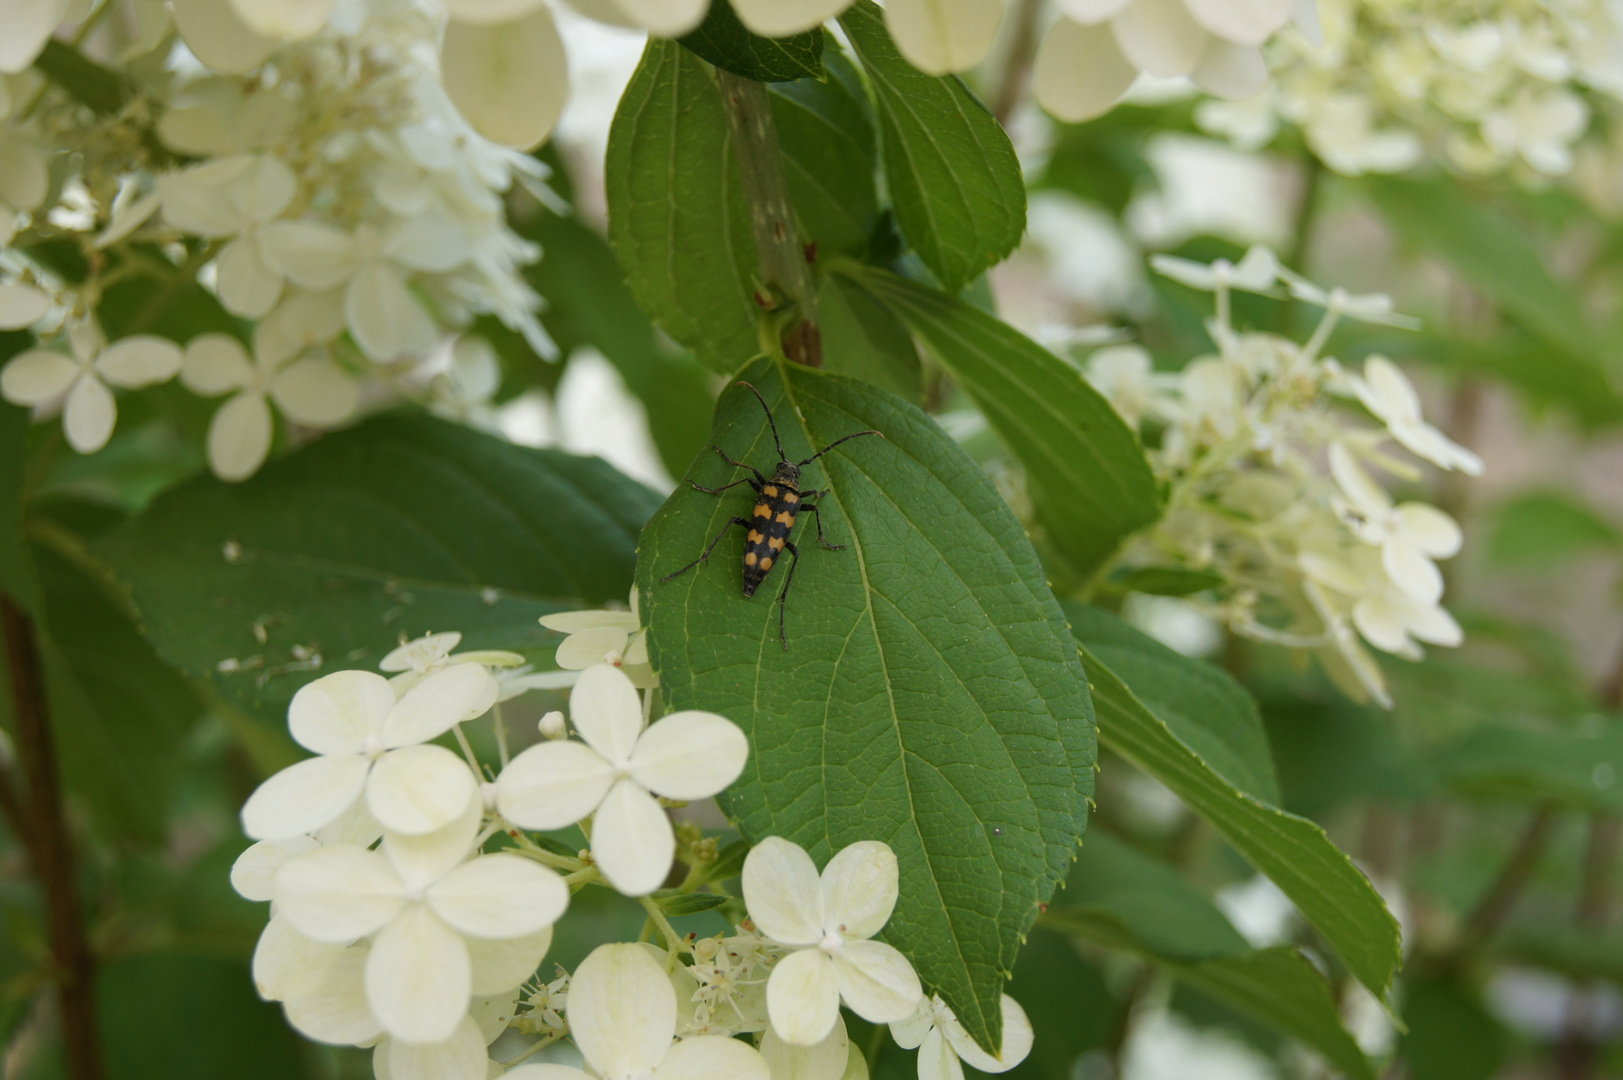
(784, 259)
(48, 847)
(1502, 895)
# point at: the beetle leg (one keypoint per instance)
(718, 490)
(812, 508)
(735, 521)
(739, 464)
(783, 606)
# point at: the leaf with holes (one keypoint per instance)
(929, 697)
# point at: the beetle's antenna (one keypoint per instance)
(836, 442)
(776, 441)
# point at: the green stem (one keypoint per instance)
(672, 939)
(778, 246)
(531, 1050)
(876, 1043)
(1502, 895)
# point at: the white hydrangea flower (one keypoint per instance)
(1409, 535)
(944, 1046)
(1389, 395)
(234, 197)
(1256, 271)
(367, 741)
(827, 922)
(615, 774)
(426, 906)
(723, 992)
(605, 637)
(622, 1016)
(826, 1060)
(419, 658)
(464, 391)
(39, 376)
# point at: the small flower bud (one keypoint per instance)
(552, 725)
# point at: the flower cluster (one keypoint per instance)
(1271, 489)
(336, 199)
(411, 906)
(1392, 80)
(1097, 48)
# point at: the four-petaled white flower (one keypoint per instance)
(367, 741)
(828, 922)
(944, 1045)
(1256, 271)
(605, 637)
(426, 906)
(1388, 394)
(42, 375)
(1410, 535)
(616, 773)
(234, 197)
(419, 658)
(622, 1016)
(309, 389)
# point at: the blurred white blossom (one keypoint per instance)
(80, 378)
(944, 1046)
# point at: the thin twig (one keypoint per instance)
(1502, 895)
(782, 255)
(51, 855)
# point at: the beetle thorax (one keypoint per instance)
(788, 475)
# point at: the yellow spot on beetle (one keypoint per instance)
(790, 497)
(776, 543)
(755, 537)
(770, 491)
(766, 564)
(785, 518)
(749, 558)
(762, 509)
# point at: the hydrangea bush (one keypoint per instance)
(356, 726)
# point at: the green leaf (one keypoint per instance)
(1168, 580)
(588, 303)
(1544, 528)
(119, 713)
(1093, 484)
(928, 697)
(1451, 1035)
(953, 175)
(401, 526)
(727, 43)
(729, 862)
(87, 82)
(826, 129)
(1581, 769)
(1329, 891)
(677, 216)
(1204, 708)
(1128, 900)
(861, 338)
(675, 903)
(1488, 250)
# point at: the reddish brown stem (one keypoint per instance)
(46, 836)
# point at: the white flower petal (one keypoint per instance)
(303, 797)
(253, 875)
(286, 19)
(316, 391)
(607, 712)
(314, 254)
(28, 26)
(1381, 624)
(1433, 625)
(219, 37)
(300, 321)
(783, 892)
(553, 785)
(240, 436)
(545, 1071)
(1386, 391)
(426, 651)
(489, 11)
(708, 1057)
(1243, 22)
(423, 859)
(417, 789)
(90, 415)
(335, 713)
(281, 954)
(860, 886)
(501, 964)
(825, 1060)
(1159, 36)
(587, 648)
(632, 840)
(198, 199)
(910, 1033)
(461, 1057)
(622, 1011)
(573, 622)
(265, 190)
(1426, 441)
(338, 894)
(418, 978)
(326, 999)
(1017, 1038)
(247, 286)
(1368, 497)
(1429, 529)
(876, 981)
(508, 80)
(802, 997)
(941, 36)
(665, 18)
(388, 321)
(430, 242)
(936, 1059)
(1090, 12)
(1413, 573)
(140, 360)
(494, 1012)
(21, 305)
(37, 376)
(499, 896)
(1080, 71)
(444, 699)
(781, 18)
(1235, 72)
(25, 177)
(215, 364)
(689, 755)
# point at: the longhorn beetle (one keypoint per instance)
(778, 501)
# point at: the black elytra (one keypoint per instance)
(778, 501)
